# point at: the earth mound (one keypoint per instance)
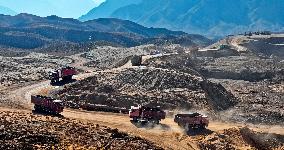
(21, 130)
(241, 138)
(149, 86)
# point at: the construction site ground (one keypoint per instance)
(167, 135)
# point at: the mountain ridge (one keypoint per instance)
(205, 16)
(7, 11)
(25, 31)
(105, 9)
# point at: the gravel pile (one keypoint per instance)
(149, 86)
(241, 138)
(255, 81)
(27, 131)
(109, 57)
(258, 102)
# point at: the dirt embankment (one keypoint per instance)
(254, 81)
(20, 130)
(148, 86)
(79, 129)
(110, 57)
(241, 138)
(258, 102)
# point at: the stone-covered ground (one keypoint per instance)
(19, 130)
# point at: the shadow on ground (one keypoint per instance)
(63, 82)
(47, 114)
(148, 125)
(194, 132)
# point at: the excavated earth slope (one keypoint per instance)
(256, 82)
(19, 130)
(241, 138)
(149, 86)
(30, 68)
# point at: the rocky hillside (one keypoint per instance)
(21, 130)
(272, 47)
(54, 34)
(106, 9)
(199, 16)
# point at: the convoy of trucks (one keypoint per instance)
(143, 114)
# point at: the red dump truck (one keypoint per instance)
(146, 114)
(47, 104)
(65, 74)
(193, 120)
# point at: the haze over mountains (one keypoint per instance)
(106, 9)
(7, 11)
(210, 17)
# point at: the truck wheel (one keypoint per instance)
(52, 81)
(135, 119)
(156, 121)
(187, 127)
(68, 78)
(202, 126)
(37, 108)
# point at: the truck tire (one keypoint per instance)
(202, 126)
(37, 108)
(135, 119)
(187, 127)
(67, 78)
(54, 81)
(156, 121)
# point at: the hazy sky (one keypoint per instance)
(62, 8)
